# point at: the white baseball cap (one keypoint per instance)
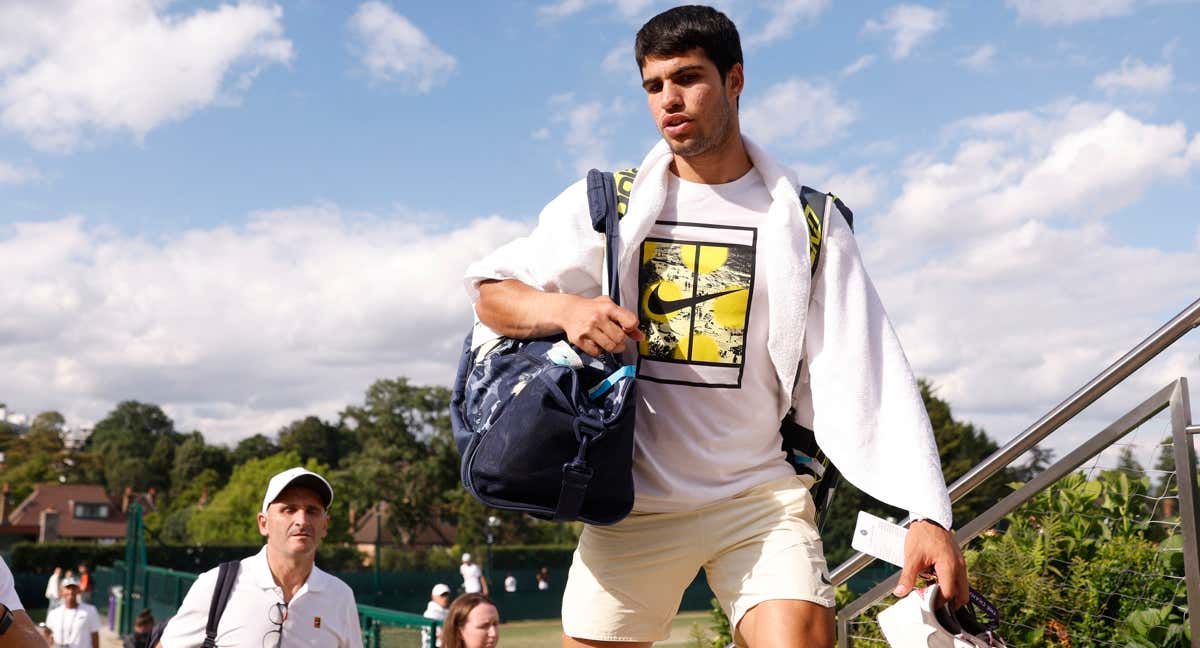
(300, 477)
(466, 557)
(69, 582)
(440, 589)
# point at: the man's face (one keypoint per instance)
(295, 522)
(443, 600)
(693, 109)
(69, 596)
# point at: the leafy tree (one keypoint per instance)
(1128, 464)
(136, 443)
(258, 446)
(231, 516)
(313, 438)
(194, 457)
(8, 435)
(1040, 459)
(169, 523)
(37, 456)
(407, 455)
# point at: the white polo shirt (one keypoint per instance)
(322, 613)
(73, 627)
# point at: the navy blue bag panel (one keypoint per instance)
(530, 437)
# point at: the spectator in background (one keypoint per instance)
(473, 579)
(510, 583)
(52, 587)
(472, 622)
(85, 583)
(143, 626)
(16, 628)
(543, 579)
(439, 602)
(74, 624)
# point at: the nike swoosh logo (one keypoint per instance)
(658, 306)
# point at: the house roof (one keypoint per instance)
(434, 533)
(63, 498)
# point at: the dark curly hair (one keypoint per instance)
(682, 29)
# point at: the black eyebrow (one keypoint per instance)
(673, 73)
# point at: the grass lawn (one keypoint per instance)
(548, 633)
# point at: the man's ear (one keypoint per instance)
(735, 80)
(262, 525)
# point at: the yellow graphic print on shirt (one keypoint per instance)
(694, 305)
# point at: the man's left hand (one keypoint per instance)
(929, 545)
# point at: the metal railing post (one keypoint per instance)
(1118, 371)
(1189, 506)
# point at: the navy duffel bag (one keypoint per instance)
(544, 428)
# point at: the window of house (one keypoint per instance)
(91, 511)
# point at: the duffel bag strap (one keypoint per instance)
(574, 486)
(577, 473)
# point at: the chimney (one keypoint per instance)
(128, 495)
(4, 504)
(48, 525)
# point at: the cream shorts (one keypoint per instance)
(626, 580)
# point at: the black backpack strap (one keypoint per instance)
(606, 210)
(226, 575)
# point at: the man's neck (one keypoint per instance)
(289, 572)
(727, 163)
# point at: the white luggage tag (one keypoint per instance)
(877, 537)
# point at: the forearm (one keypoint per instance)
(516, 310)
(22, 633)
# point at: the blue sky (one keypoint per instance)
(246, 212)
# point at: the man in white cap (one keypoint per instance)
(439, 604)
(472, 575)
(280, 597)
(74, 624)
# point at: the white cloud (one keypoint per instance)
(619, 60)
(797, 114)
(1004, 262)
(859, 64)
(561, 9)
(981, 58)
(392, 49)
(1056, 165)
(586, 127)
(15, 174)
(1134, 76)
(859, 189)
(70, 68)
(783, 17)
(628, 9)
(1065, 12)
(235, 330)
(909, 26)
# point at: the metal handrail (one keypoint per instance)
(1118, 371)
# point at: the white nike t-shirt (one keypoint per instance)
(709, 400)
